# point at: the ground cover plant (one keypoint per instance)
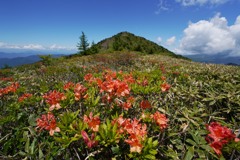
(121, 105)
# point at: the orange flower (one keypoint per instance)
(129, 79)
(115, 88)
(122, 89)
(144, 104)
(163, 78)
(6, 79)
(12, 88)
(121, 122)
(165, 87)
(128, 104)
(137, 134)
(48, 122)
(135, 145)
(53, 98)
(88, 77)
(93, 122)
(24, 96)
(218, 136)
(68, 85)
(79, 91)
(160, 119)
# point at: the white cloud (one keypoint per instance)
(201, 2)
(171, 40)
(10, 46)
(2, 44)
(162, 6)
(55, 47)
(159, 40)
(211, 37)
(33, 47)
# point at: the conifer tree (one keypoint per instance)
(83, 44)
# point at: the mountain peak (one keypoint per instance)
(126, 41)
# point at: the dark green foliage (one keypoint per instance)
(126, 41)
(46, 59)
(83, 44)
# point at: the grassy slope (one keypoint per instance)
(199, 93)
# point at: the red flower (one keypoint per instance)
(137, 134)
(122, 89)
(6, 79)
(165, 87)
(53, 98)
(145, 82)
(12, 88)
(89, 77)
(48, 122)
(129, 79)
(219, 136)
(89, 142)
(144, 104)
(163, 78)
(115, 88)
(93, 122)
(126, 105)
(135, 145)
(79, 91)
(68, 85)
(160, 119)
(24, 96)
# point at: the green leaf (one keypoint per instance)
(212, 102)
(190, 153)
(153, 152)
(191, 142)
(27, 145)
(155, 143)
(115, 150)
(32, 120)
(149, 156)
(32, 146)
(21, 153)
(40, 154)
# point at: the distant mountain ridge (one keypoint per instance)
(17, 61)
(15, 54)
(217, 59)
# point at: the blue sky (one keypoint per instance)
(183, 26)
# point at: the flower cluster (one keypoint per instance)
(137, 132)
(24, 96)
(6, 79)
(165, 87)
(145, 104)
(93, 122)
(160, 119)
(68, 86)
(218, 136)
(48, 122)
(79, 91)
(53, 98)
(12, 88)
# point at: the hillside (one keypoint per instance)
(125, 41)
(120, 105)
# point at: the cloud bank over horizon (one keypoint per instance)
(201, 2)
(211, 37)
(35, 47)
